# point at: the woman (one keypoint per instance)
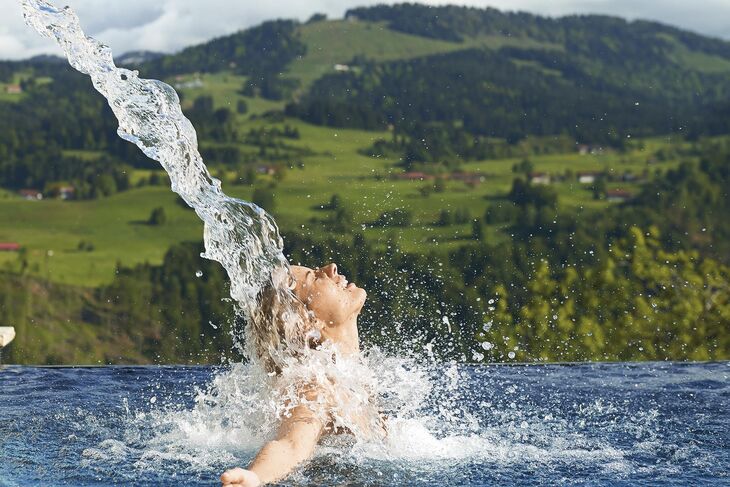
(330, 307)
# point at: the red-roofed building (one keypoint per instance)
(618, 195)
(66, 192)
(9, 247)
(31, 194)
(13, 89)
(414, 176)
(472, 178)
(539, 178)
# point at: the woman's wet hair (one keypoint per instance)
(278, 327)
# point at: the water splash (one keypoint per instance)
(239, 235)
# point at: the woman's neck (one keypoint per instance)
(345, 336)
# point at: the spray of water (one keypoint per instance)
(242, 237)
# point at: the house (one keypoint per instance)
(9, 247)
(588, 177)
(31, 194)
(66, 192)
(413, 176)
(266, 169)
(539, 178)
(618, 195)
(585, 149)
(190, 84)
(13, 89)
(470, 178)
(342, 68)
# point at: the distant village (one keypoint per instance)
(60, 192)
(13, 89)
(586, 178)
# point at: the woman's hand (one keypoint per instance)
(238, 477)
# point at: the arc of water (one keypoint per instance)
(238, 234)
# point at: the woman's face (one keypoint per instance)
(328, 294)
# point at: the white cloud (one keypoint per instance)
(169, 25)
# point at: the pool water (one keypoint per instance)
(588, 424)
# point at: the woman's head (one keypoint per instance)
(284, 319)
(328, 294)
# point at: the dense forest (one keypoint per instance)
(596, 78)
(459, 89)
(261, 53)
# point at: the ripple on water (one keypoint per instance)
(465, 426)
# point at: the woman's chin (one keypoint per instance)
(362, 295)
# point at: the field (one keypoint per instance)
(52, 230)
(17, 79)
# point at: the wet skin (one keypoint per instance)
(336, 304)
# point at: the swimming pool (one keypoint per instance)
(587, 424)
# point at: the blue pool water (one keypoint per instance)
(592, 424)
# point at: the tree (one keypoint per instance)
(335, 202)
(342, 220)
(525, 166)
(477, 230)
(399, 217)
(263, 197)
(157, 217)
(439, 186)
(599, 188)
(247, 176)
(317, 17)
(445, 218)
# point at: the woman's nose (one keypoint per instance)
(330, 269)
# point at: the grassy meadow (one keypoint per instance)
(116, 226)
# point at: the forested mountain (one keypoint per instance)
(596, 79)
(261, 53)
(599, 79)
(509, 75)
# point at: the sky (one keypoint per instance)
(170, 25)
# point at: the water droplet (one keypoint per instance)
(487, 345)
(199, 273)
(511, 355)
(153, 400)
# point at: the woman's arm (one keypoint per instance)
(295, 442)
